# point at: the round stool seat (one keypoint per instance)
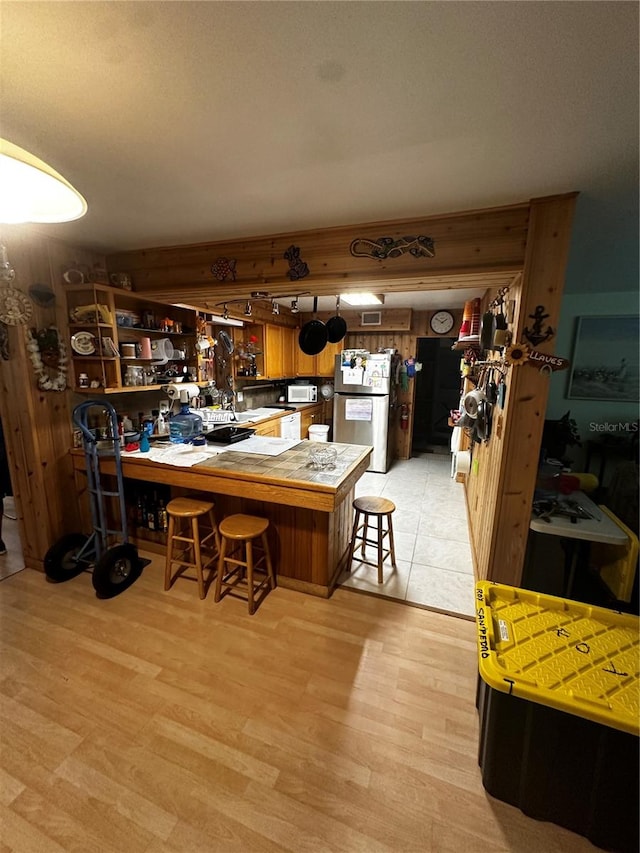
(188, 507)
(374, 505)
(243, 526)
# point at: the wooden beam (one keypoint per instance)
(468, 246)
(542, 284)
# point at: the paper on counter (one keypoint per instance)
(265, 445)
(181, 455)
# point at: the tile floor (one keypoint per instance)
(431, 536)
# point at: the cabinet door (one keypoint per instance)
(326, 360)
(310, 416)
(273, 351)
(305, 364)
(289, 347)
(271, 428)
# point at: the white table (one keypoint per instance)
(599, 528)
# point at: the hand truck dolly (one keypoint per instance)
(114, 561)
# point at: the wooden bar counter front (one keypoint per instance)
(310, 510)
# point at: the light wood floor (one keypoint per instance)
(158, 722)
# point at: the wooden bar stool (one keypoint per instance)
(238, 531)
(184, 516)
(379, 508)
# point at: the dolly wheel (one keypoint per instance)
(61, 560)
(116, 570)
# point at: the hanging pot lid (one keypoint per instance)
(327, 391)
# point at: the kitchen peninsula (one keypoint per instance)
(310, 510)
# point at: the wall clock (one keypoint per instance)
(441, 322)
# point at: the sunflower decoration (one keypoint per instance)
(517, 354)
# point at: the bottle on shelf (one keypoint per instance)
(151, 514)
(162, 516)
(140, 511)
(161, 427)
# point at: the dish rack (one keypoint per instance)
(216, 416)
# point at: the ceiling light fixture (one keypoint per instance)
(31, 191)
(294, 306)
(247, 309)
(275, 308)
(225, 312)
(362, 298)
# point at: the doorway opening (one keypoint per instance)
(437, 391)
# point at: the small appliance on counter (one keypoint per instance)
(228, 435)
(302, 394)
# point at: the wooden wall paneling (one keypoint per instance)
(37, 424)
(484, 482)
(393, 319)
(542, 284)
(491, 241)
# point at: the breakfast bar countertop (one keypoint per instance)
(309, 510)
(293, 465)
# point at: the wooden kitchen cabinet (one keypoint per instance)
(289, 347)
(322, 364)
(274, 347)
(309, 416)
(270, 428)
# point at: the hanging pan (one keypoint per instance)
(336, 326)
(313, 335)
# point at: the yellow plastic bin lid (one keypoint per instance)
(571, 656)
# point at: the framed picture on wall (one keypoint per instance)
(604, 365)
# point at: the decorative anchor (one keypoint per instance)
(537, 335)
(297, 267)
(387, 247)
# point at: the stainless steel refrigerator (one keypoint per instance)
(361, 409)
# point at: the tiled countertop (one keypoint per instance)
(293, 466)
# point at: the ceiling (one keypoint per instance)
(186, 122)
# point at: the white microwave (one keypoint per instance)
(302, 394)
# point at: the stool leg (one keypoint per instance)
(392, 546)
(352, 543)
(214, 528)
(267, 556)
(380, 551)
(249, 561)
(219, 576)
(167, 565)
(365, 534)
(197, 556)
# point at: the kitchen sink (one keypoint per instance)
(254, 415)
